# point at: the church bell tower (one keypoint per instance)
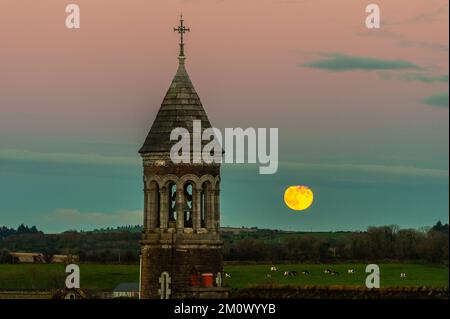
(181, 241)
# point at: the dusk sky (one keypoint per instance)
(362, 114)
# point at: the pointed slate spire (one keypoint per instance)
(180, 107)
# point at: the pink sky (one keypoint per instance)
(106, 80)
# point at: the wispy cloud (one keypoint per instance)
(440, 100)
(370, 168)
(419, 77)
(340, 62)
(67, 158)
(425, 17)
(349, 169)
(403, 40)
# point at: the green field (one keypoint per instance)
(417, 275)
(106, 277)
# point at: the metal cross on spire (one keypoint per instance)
(181, 29)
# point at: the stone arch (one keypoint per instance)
(217, 182)
(166, 179)
(149, 179)
(185, 178)
(205, 178)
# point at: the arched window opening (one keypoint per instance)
(157, 208)
(172, 202)
(188, 204)
(202, 209)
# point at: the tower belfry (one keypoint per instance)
(181, 236)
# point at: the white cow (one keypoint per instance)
(403, 275)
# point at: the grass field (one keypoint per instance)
(417, 275)
(106, 277)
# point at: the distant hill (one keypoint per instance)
(129, 228)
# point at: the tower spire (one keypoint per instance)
(181, 29)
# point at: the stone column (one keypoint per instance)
(163, 208)
(210, 211)
(152, 206)
(180, 209)
(217, 209)
(146, 212)
(197, 196)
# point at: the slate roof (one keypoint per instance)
(180, 107)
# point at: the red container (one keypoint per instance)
(207, 280)
(194, 280)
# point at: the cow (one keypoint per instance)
(227, 275)
(305, 272)
(334, 273)
(351, 271)
(403, 275)
(327, 271)
(268, 276)
(290, 273)
(273, 268)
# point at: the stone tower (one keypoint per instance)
(181, 235)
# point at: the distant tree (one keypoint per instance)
(439, 227)
(22, 229)
(48, 254)
(251, 249)
(5, 257)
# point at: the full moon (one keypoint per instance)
(298, 197)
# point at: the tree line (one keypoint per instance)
(388, 243)
(22, 229)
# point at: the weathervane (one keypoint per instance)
(181, 29)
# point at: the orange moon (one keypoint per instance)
(298, 197)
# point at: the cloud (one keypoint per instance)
(66, 158)
(419, 77)
(440, 99)
(403, 40)
(368, 173)
(340, 62)
(426, 17)
(370, 168)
